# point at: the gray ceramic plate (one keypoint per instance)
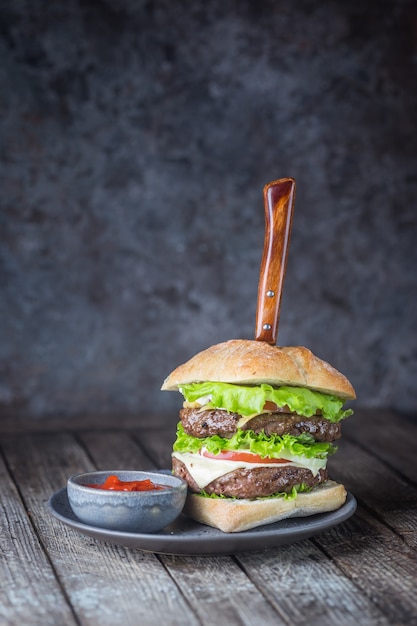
(185, 536)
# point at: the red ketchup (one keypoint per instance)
(113, 483)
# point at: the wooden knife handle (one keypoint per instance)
(279, 201)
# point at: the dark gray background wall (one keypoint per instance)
(136, 138)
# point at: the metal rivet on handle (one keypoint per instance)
(270, 293)
(267, 326)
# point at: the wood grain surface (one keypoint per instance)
(360, 572)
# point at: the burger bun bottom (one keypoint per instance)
(235, 515)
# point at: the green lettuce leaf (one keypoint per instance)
(250, 401)
(273, 446)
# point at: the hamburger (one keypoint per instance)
(257, 426)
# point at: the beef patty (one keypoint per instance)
(201, 423)
(253, 483)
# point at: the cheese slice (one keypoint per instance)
(200, 403)
(243, 419)
(204, 470)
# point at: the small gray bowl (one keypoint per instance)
(128, 511)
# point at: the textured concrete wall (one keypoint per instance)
(136, 138)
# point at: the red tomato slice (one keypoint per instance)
(246, 457)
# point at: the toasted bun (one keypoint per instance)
(233, 515)
(248, 362)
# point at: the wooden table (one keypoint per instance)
(363, 571)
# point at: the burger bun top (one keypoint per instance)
(249, 362)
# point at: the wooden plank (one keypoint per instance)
(104, 583)
(220, 592)
(378, 561)
(307, 587)
(158, 444)
(378, 487)
(15, 424)
(382, 565)
(30, 593)
(388, 435)
(115, 449)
